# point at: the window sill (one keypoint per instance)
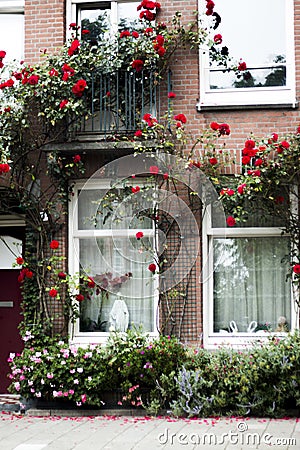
(242, 107)
(239, 340)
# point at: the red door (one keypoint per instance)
(10, 317)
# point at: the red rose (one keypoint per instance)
(171, 95)
(279, 199)
(154, 170)
(138, 133)
(246, 160)
(20, 260)
(91, 283)
(28, 274)
(275, 137)
(159, 39)
(74, 47)
(152, 267)
(165, 176)
(230, 221)
(10, 82)
(53, 293)
(72, 25)
(4, 168)
(242, 66)
(224, 129)
(250, 143)
(53, 73)
(63, 104)
(296, 269)
(139, 235)
(137, 64)
(76, 159)
(2, 54)
(33, 80)
(85, 32)
(124, 33)
(218, 39)
(258, 162)
(160, 51)
(284, 145)
(136, 189)
(213, 161)
(214, 126)
(135, 34)
(79, 87)
(54, 244)
(241, 188)
(180, 117)
(62, 275)
(79, 297)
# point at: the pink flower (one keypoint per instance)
(83, 398)
(165, 176)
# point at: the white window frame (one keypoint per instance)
(71, 12)
(212, 339)
(78, 337)
(14, 7)
(274, 96)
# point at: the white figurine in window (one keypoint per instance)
(119, 316)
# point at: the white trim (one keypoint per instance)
(212, 340)
(269, 96)
(86, 338)
(12, 6)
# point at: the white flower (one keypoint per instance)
(79, 369)
(76, 381)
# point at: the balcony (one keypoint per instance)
(117, 102)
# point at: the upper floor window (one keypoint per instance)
(260, 33)
(101, 17)
(12, 29)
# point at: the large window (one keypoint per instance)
(261, 33)
(246, 292)
(12, 29)
(105, 248)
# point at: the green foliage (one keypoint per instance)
(262, 381)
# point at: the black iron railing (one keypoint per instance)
(117, 102)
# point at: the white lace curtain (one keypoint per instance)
(250, 283)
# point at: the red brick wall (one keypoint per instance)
(44, 27)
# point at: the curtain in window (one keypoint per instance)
(250, 283)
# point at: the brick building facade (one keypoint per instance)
(46, 28)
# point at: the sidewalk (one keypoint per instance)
(27, 432)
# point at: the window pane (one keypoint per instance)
(93, 214)
(97, 21)
(250, 283)
(12, 36)
(254, 31)
(123, 296)
(128, 15)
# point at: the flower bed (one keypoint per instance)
(132, 371)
